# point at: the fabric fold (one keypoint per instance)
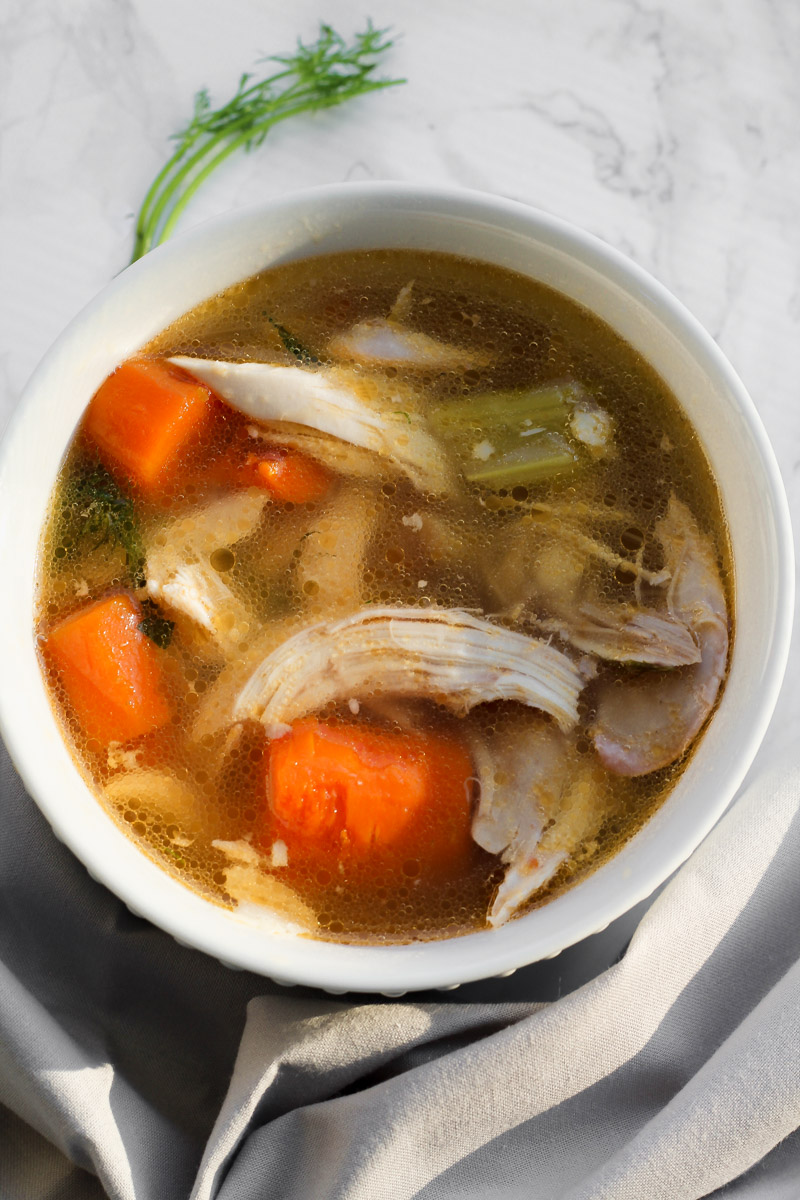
(575, 1065)
(77, 1100)
(673, 1073)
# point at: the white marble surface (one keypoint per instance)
(671, 130)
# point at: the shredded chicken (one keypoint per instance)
(577, 510)
(330, 566)
(160, 794)
(623, 633)
(259, 895)
(542, 564)
(329, 575)
(540, 561)
(387, 342)
(345, 459)
(520, 778)
(444, 654)
(239, 851)
(535, 809)
(380, 341)
(214, 712)
(648, 722)
(336, 402)
(603, 553)
(180, 571)
(582, 808)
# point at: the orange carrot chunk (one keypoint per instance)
(364, 791)
(109, 670)
(291, 476)
(143, 418)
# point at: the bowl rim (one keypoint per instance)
(394, 969)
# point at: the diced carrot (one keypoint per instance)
(287, 474)
(109, 670)
(290, 476)
(143, 419)
(362, 791)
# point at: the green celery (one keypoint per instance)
(517, 410)
(538, 458)
(511, 438)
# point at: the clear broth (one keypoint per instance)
(533, 335)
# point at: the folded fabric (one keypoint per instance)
(159, 1074)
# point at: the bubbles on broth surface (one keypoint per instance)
(376, 543)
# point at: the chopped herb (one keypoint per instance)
(154, 626)
(308, 534)
(96, 509)
(400, 413)
(318, 76)
(294, 345)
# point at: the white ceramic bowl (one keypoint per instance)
(170, 280)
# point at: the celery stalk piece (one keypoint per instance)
(510, 438)
(537, 458)
(518, 410)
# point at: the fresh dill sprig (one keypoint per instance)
(96, 510)
(320, 75)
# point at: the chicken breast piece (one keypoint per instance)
(336, 402)
(180, 570)
(536, 808)
(624, 633)
(388, 342)
(330, 564)
(447, 655)
(383, 342)
(648, 722)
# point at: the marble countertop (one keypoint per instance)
(671, 130)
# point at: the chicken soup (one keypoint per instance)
(387, 591)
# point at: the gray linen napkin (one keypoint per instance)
(134, 1068)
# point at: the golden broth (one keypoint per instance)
(474, 551)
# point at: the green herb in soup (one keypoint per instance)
(386, 591)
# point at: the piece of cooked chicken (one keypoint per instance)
(330, 558)
(625, 633)
(388, 342)
(521, 777)
(446, 655)
(379, 341)
(647, 722)
(340, 403)
(181, 574)
(536, 808)
(260, 897)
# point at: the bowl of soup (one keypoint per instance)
(405, 585)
